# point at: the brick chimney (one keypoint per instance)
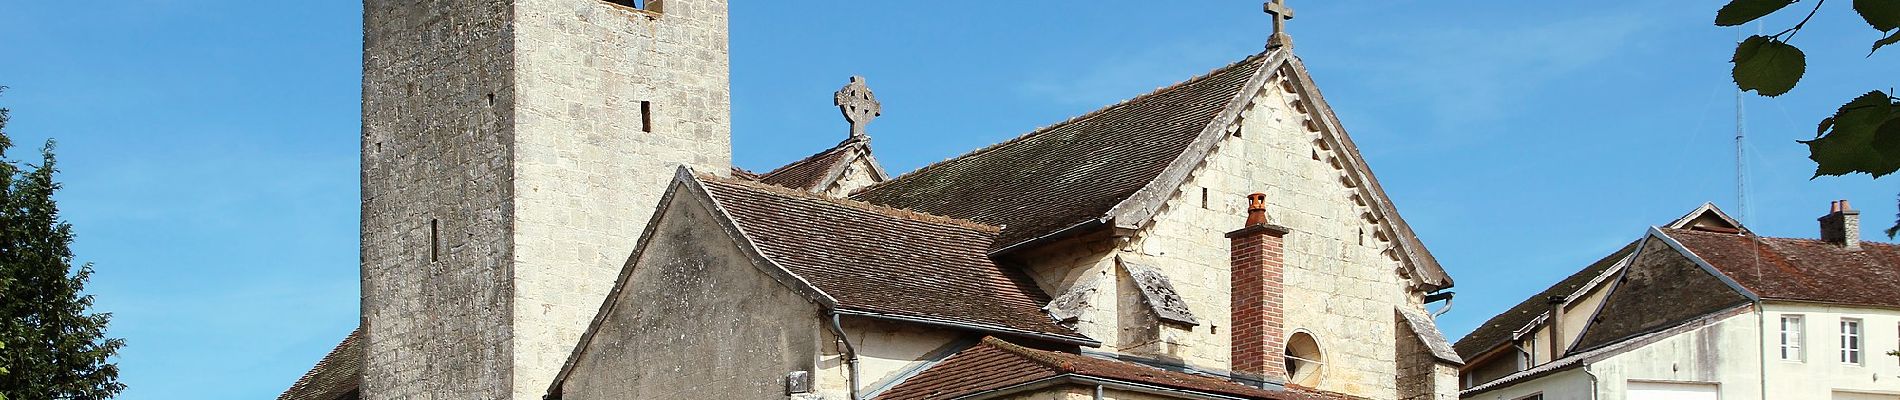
(1841, 225)
(1258, 276)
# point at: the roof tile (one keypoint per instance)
(997, 364)
(337, 376)
(1073, 172)
(883, 260)
(1801, 269)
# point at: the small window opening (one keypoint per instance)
(1850, 341)
(1203, 198)
(1791, 340)
(1304, 360)
(435, 240)
(646, 116)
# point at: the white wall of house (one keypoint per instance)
(1719, 355)
(1819, 372)
(1572, 384)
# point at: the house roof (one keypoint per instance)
(1498, 330)
(996, 365)
(1576, 359)
(1660, 288)
(1801, 269)
(1121, 163)
(816, 172)
(1426, 331)
(884, 262)
(1073, 172)
(742, 173)
(336, 376)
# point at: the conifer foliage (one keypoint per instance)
(51, 345)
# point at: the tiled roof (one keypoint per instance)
(1426, 330)
(1659, 289)
(742, 173)
(1073, 172)
(1593, 355)
(1801, 269)
(887, 261)
(1498, 329)
(335, 377)
(996, 364)
(815, 170)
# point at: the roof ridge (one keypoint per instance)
(807, 159)
(894, 212)
(1257, 57)
(1032, 355)
(1777, 238)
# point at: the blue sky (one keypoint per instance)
(210, 146)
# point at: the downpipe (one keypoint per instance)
(851, 353)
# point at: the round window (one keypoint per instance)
(1304, 360)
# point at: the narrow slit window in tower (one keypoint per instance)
(435, 240)
(646, 116)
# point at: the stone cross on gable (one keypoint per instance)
(859, 105)
(1280, 13)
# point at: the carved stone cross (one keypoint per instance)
(859, 105)
(1280, 13)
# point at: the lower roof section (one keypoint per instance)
(995, 368)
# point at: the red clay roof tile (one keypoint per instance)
(883, 260)
(997, 364)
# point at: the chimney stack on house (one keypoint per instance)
(1258, 270)
(1841, 225)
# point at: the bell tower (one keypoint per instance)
(513, 151)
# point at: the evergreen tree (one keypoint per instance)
(53, 346)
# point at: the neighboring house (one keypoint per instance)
(1703, 308)
(550, 211)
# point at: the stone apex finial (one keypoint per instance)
(859, 105)
(1280, 13)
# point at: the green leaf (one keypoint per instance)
(1739, 12)
(1895, 37)
(1884, 15)
(1865, 137)
(1768, 66)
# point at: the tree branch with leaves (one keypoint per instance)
(1863, 136)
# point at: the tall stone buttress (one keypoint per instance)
(513, 151)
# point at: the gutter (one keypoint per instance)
(851, 352)
(1064, 233)
(1077, 341)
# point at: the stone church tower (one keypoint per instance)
(513, 151)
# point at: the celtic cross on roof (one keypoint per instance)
(859, 105)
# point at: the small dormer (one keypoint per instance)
(1708, 218)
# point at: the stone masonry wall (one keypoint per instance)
(855, 176)
(697, 320)
(1422, 376)
(519, 127)
(1339, 285)
(437, 146)
(587, 176)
